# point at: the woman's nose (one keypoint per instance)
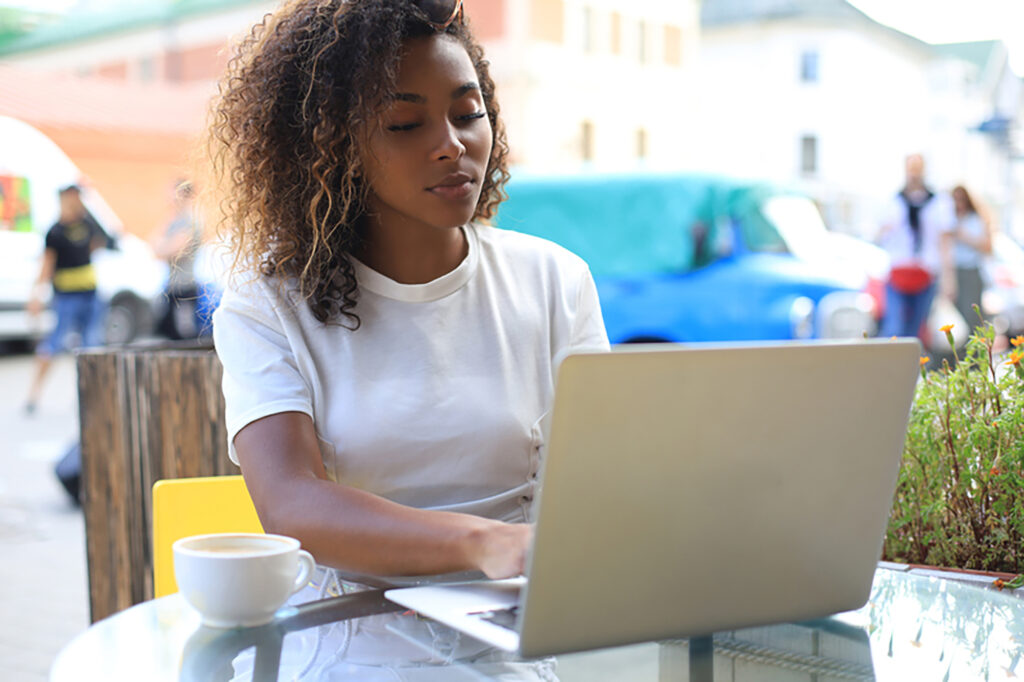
(450, 146)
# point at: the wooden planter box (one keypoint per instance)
(146, 413)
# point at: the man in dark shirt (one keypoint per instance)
(67, 266)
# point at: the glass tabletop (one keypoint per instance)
(912, 628)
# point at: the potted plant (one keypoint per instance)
(960, 497)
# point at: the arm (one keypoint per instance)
(46, 270)
(100, 238)
(947, 278)
(982, 244)
(354, 530)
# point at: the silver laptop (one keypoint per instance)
(689, 490)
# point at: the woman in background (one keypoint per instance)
(973, 241)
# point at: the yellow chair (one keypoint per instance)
(195, 506)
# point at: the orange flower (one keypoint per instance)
(994, 471)
(999, 584)
(1015, 357)
(1018, 341)
(924, 360)
(946, 328)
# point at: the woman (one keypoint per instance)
(918, 236)
(178, 245)
(973, 241)
(388, 357)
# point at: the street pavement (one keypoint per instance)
(43, 584)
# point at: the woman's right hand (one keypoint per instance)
(501, 549)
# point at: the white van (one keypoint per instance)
(129, 279)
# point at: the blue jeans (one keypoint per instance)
(79, 312)
(905, 313)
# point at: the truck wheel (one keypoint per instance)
(124, 320)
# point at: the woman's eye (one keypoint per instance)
(473, 116)
(399, 127)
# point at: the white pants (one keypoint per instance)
(392, 647)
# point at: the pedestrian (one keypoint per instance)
(67, 268)
(973, 241)
(388, 356)
(918, 235)
(178, 245)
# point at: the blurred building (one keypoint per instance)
(816, 93)
(123, 92)
(593, 82)
(581, 82)
(131, 143)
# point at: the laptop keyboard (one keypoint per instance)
(505, 618)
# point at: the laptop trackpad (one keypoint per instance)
(463, 605)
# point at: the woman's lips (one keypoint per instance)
(459, 190)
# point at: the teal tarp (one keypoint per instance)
(627, 224)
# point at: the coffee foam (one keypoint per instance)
(236, 545)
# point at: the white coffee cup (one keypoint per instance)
(240, 579)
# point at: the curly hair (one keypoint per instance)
(292, 115)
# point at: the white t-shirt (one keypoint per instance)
(965, 255)
(436, 401)
(936, 219)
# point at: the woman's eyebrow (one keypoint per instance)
(458, 92)
(469, 86)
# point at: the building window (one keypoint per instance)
(547, 20)
(587, 141)
(809, 66)
(588, 29)
(641, 143)
(615, 41)
(673, 46)
(809, 154)
(641, 42)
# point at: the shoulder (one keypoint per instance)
(943, 208)
(256, 295)
(53, 234)
(895, 207)
(527, 251)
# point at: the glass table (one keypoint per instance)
(912, 629)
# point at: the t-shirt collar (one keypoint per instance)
(373, 281)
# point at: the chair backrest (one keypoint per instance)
(195, 506)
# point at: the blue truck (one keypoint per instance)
(694, 258)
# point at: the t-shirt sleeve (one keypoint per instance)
(261, 371)
(588, 331)
(50, 241)
(946, 213)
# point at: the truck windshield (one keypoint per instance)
(797, 226)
